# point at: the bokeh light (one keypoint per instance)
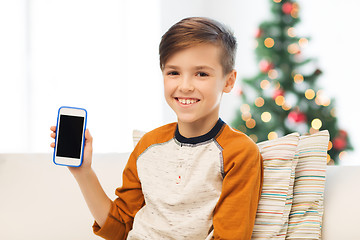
(316, 124)
(246, 116)
(254, 137)
(309, 94)
(342, 155)
(269, 42)
(286, 106)
(298, 78)
(266, 117)
(264, 84)
(273, 74)
(272, 135)
(330, 145)
(280, 100)
(293, 48)
(259, 102)
(245, 108)
(251, 123)
(291, 32)
(303, 42)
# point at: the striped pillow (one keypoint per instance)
(276, 198)
(306, 213)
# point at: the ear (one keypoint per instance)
(230, 81)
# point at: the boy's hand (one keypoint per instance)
(87, 159)
(96, 199)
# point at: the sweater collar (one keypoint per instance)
(200, 139)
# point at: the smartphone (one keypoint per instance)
(70, 136)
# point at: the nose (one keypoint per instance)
(186, 84)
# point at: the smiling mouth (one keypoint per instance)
(187, 101)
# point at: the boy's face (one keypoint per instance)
(194, 83)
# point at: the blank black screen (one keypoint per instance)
(70, 136)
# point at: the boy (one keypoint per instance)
(194, 179)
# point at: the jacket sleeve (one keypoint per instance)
(235, 212)
(129, 201)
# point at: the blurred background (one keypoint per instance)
(103, 56)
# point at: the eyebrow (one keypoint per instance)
(170, 66)
(201, 67)
(204, 67)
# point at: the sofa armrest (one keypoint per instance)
(341, 203)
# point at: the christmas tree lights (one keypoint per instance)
(283, 97)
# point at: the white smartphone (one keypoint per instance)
(70, 136)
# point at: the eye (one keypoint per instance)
(172, 73)
(202, 74)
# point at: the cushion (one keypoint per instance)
(307, 210)
(276, 197)
(137, 135)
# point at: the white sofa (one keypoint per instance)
(39, 200)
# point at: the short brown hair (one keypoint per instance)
(193, 31)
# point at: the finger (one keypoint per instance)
(53, 135)
(52, 144)
(53, 128)
(88, 135)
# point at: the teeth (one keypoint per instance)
(187, 101)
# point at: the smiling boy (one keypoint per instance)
(194, 82)
(193, 179)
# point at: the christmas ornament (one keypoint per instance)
(278, 92)
(259, 32)
(343, 133)
(265, 66)
(287, 8)
(339, 143)
(297, 117)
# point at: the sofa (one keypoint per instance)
(40, 200)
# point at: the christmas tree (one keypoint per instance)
(283, 96)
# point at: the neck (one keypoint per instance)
(196, 129)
